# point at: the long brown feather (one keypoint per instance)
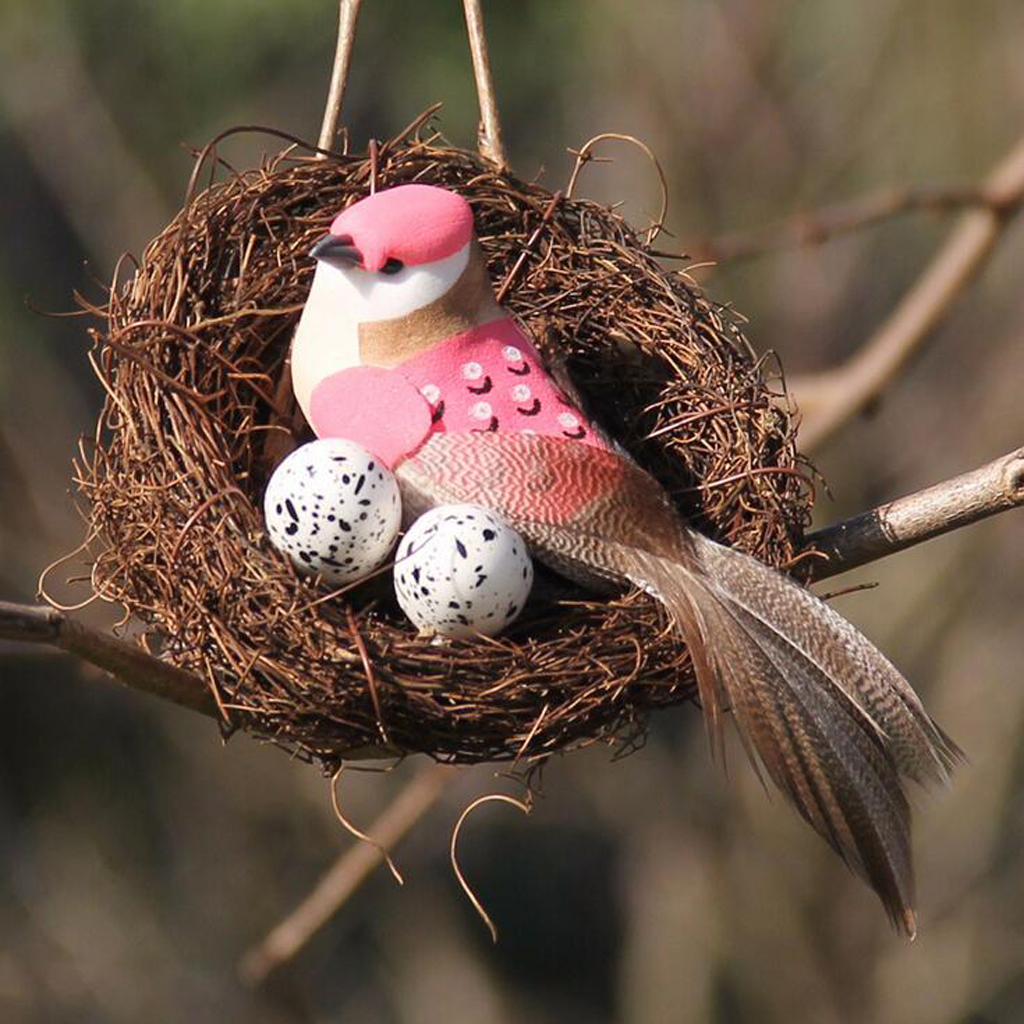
(814, 741)
(831, 721)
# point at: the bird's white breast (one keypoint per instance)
(327, 337)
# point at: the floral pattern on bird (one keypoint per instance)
(495, 359)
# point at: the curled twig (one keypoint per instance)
(359, 834)
(477, 905)
(346, 875)
(584, 156)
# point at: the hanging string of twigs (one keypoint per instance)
(348, 12)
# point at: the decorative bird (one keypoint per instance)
(403, 348)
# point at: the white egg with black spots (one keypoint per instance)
(334, 509)
(462, 570)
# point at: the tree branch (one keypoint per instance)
(346, 875)
(128, 664)
(829, 400)
(900, 524)
(489, 133)
(813, 227)
(348, 11)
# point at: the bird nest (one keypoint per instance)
(193, 358)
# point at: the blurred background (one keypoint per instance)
(140, 857)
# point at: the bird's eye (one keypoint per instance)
(392, 267)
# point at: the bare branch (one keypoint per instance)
(489, 134)
(900, 524)
(813, 227)
(348, 11)
(127, 663)
(829, 400)
(348, 873)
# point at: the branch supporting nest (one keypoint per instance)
(994, 487)
(127, 663)
(867, 537)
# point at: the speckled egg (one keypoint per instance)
(462, 570)
(334, 509)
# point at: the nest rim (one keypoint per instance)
(191, 357)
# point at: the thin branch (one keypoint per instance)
(829, 400)
(813, 227)
(489, 133)
(347, 874)
(348, 11)
(127, 663)
(900, 524)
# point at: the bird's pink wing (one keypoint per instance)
(555, 491)
(373, 406)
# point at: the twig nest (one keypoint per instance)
(198, 415)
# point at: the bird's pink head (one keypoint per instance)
(403, 226)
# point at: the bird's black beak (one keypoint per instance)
(338, 251)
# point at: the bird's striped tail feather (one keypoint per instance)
(818, 707)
